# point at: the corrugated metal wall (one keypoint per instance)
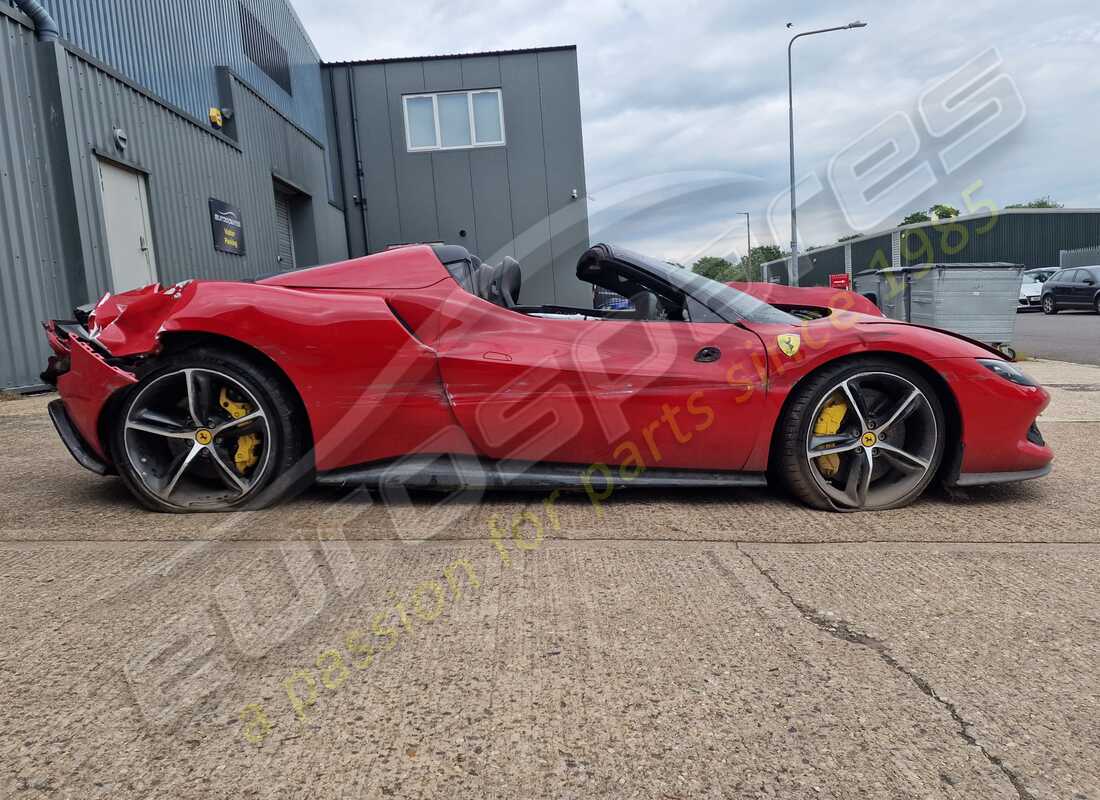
(185, 162)
(872, 253)
(511, 200)
(172, 48)
(31, 287)
(823, 263)
(1031, 238)
(186, 166)
(817, 265)
(1028, 238)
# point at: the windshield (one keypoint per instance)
(731, 304)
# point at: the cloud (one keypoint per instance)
(671, 87)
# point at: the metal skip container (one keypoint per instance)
(866, 284)
(975, 300)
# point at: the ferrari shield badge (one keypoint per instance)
(789, 343)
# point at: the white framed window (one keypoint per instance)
(453, 120)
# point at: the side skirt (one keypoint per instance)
(456, 472)
(986, 478)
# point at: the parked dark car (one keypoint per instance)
(1076, 287)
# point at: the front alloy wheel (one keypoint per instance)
(863, 437)
(1048, 304)
(209, 431)
(197, 437)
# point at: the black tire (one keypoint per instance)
(790, 462)
(1096, 304)
(1049, 306)
(283, 471)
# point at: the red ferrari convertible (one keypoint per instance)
(423, 366)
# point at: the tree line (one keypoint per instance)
(747, 269)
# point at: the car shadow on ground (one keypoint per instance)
(112, 492)
(103, 510)
(1026, 491)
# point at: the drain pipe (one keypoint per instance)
(361, 198)
(44, 24)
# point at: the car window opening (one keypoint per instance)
(625, 286)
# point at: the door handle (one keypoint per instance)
(708, 354)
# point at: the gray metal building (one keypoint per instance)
(517, 189)
(206, 139)
(1033, 237)
(171, 48)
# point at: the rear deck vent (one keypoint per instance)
(263, 49)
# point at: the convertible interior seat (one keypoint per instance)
(483, 281)
(505, 283)
(645, 305)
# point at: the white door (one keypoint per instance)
(129, 234)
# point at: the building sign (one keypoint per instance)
(839, 280)
(226, 223)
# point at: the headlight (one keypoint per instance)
(1010, 372)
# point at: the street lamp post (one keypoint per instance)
(793, 273)
(748, 246)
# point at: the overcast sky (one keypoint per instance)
(684, 104)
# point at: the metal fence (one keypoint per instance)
(1081, 257)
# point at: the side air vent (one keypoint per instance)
(263, 49)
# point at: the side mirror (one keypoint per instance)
(1089, 282)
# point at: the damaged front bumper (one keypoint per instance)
(86, 381)
(74, 442)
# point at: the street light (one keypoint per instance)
(793, 274)
(748, 246)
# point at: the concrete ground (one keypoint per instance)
(681, 645)
(1066, 336)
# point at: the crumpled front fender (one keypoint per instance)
(131, 323)
(86, 387)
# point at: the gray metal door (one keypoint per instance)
(129, 232)
(284, 232)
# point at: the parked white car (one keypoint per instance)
(1031, 290)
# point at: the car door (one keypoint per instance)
(1086, 287)
(1061, 287)
(1071, 289)
(627, 394)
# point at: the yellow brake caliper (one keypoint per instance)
(247, 445)
(828, 423)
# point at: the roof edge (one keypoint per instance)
(442, 56)
(914, 225)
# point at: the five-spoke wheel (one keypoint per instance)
(201, 434)
(863, 436)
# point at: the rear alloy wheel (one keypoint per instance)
(866, 436)
(205, 433)
(1048, 304)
